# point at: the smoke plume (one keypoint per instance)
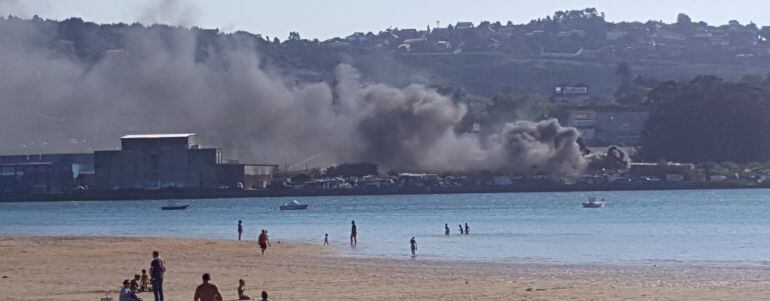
(160, 81)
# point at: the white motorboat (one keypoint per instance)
(293, 205)
(594, 203)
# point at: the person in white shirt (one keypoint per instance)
(126, 294)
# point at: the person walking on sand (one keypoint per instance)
(461, 228)
(263, 241)
(413, 246)
(242, 290)
(207, 291)
(446, 229)
(240, 229)
(326, 239)
(157, 269)
(467, 229)
(353, 234)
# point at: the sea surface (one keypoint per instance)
(635, 227)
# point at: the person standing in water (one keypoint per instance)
(446, 229)
(413, 246)
(467, 229)
(353, 234)
(326, 239)
(240, 229)
(461, 228)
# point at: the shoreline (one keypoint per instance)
(175, 193)
(81, 268)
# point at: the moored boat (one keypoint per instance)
(594, 203)
(173, 206)
(293, 205)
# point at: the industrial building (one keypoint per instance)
(159, 161)
(45, 173)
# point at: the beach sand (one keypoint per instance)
(82, 268)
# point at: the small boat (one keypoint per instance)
(293, 205)
(174, 206)
(594, 203)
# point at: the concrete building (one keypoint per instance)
(157, 161)
(45, 173)
(174, 160)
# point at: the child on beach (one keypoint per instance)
(242, 290)
(144, 283)
(326, 239)
(135, 284)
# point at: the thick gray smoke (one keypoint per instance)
(157, 83)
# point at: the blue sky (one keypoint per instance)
(323, 19)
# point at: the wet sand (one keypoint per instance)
(82, 268)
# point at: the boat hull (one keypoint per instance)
(593, 205)
(174, 207)
(294, 207)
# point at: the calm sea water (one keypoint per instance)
(705, 226)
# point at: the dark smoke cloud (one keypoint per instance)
(158, 83)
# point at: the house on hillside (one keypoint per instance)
(570, 94)
(464, 25)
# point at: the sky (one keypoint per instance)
(324, 19)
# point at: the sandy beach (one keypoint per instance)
(82, 268)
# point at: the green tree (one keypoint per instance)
(708, 119)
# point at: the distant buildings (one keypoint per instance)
(173, 160)
(607, 126)
(570, 94)
(45, 173)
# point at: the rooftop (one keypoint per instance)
(157, 136)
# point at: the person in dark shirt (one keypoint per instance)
(467, 229)
(240, 229)
(461, 228)
(413, 246)
(157, 269)
(446, 229)
(353, 234)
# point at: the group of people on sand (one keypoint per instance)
(143, 284)
(207, 291)
(262, 240)
(466, 230)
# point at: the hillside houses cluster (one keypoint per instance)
(575, 35)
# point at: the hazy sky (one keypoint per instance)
(323, 19)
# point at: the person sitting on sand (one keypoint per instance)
(207, 291)
(144, 282)
(126, 294)
(135, 283)
(242, 290)
(263, 241)
(264, 296)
